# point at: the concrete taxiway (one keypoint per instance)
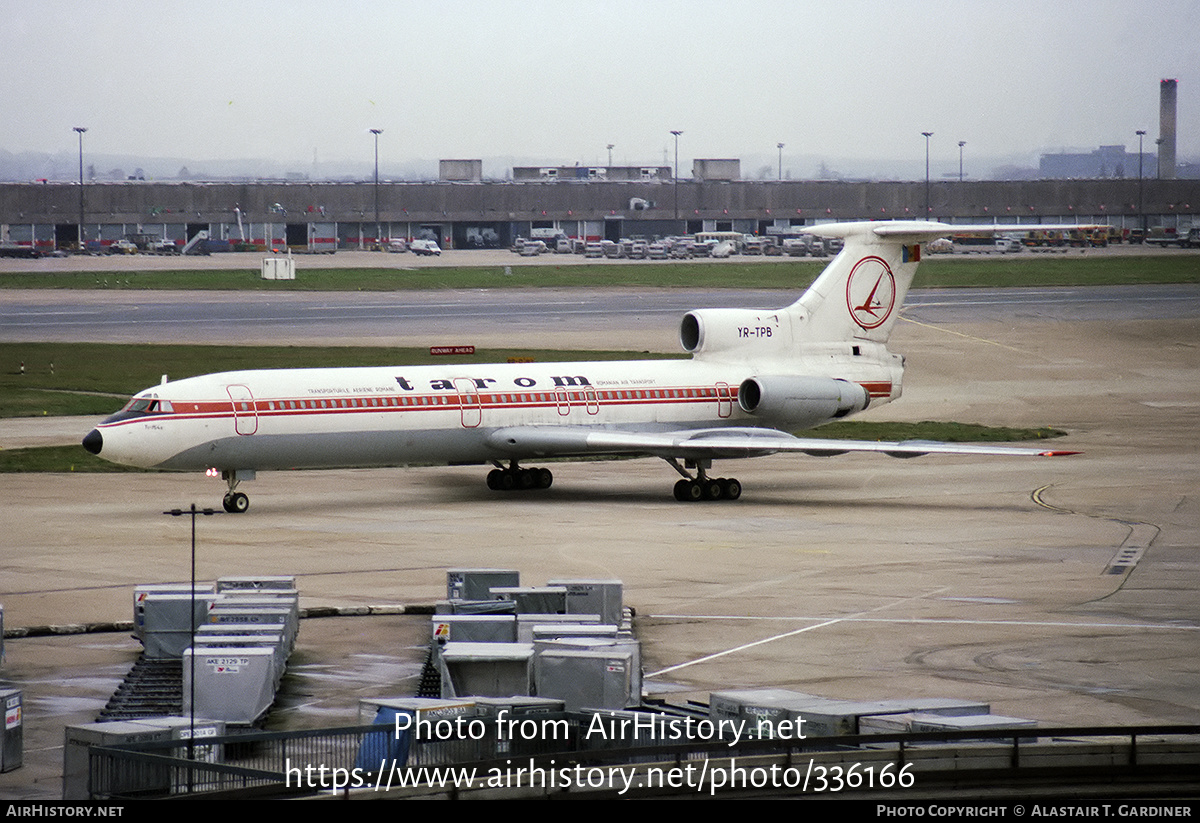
(858, 576)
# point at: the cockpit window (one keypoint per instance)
(148, 405)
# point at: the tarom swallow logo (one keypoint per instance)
(870, 292)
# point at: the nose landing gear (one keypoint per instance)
(235, 502)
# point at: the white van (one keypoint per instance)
(424, 247)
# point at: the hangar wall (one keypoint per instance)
(32, 205)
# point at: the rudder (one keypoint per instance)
(859, 294)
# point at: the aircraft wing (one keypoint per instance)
(721, 443)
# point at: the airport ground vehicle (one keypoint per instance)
(796, 246)
(754, 245)
(1163, 236)
(424, 248)
(16, 250)
(1037, 239)
(1096, 236)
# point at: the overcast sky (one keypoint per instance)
(838, 81)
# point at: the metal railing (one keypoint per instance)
(305, 762)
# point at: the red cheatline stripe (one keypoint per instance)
(205, 409)
(877, 389)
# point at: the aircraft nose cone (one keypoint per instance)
(94, 441)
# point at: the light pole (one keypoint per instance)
(927, 134)
(610, 148)
(1141, 200)
(377, 132)
(961, 143)
(780, 147)
(193, 511)
(675, 176)
(82, 239)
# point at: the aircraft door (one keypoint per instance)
(724, 400)
(563, 399)
(592, 399)
(245, 415)
(468, 401)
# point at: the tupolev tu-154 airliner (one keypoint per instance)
(753, 375)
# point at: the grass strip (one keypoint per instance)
(1020, 270)
(96, 378)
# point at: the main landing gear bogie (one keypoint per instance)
(721, 488)
(693, 489)
(517, 479)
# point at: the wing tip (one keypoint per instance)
(1057, 453)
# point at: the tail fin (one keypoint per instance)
(860, 293)
(857, 297)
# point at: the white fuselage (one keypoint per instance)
(386, 416)
(756, 376)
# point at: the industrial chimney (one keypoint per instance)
(1166, 129)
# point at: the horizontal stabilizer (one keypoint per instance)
(918, 231)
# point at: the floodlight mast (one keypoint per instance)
(1141, 133)
(82, 237)
(927, 134)
(377, 132)
(675, 176)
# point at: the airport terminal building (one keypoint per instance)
(595, 204)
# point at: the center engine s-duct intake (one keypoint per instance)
(717, 332)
